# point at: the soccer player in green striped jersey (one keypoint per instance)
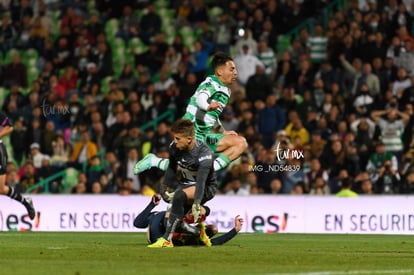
(204, 109)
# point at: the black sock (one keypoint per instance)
(15, 195)
(176, 214)
(172, 223)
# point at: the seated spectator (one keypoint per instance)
(70, 19)
(38, 35)
(80, 188)
(8, 33)
(363, 101)
(108, 186)
(164, 82)
(96, 188)
(102, 57)
(259, 85)
(127, 79)
(162, 137)
(36, 155)
(276, 186)
(127, 169)
(61, 152)
(83, 150)
(392, 128)
(246, 64)
(388, 181)
(295, 128)
(230, 122)
(150, 24)
(377, 160)
(94, 172)
(15, 73)
(319, 187)
(126, 187)
(316, 171)
(128, 24)
(198, 59)
(81, 185)
(402, 82)
(46, 171)
(407, 184)
(235, 187)
(346, 189)
(29, 178)
(18, 140)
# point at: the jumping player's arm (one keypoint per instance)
(238, 222)
(203, 99)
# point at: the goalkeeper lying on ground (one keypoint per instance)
(186, 236)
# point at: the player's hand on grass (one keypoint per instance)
(169, 196)
(156, 199)
(196, 211)
(238, 223)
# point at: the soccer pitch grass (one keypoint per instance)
(126, 253)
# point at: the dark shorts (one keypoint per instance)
(212, 140)
(209, 192)
(3, 159)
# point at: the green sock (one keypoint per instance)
(221, 161)
(163, 164)
(160, 163)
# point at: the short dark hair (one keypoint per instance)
(183, 126)
(219, 59)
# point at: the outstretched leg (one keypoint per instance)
(230, 148)
(149, 161)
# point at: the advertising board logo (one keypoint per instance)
(269, 224)
(272, 223)
(14, 222)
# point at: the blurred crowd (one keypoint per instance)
(341, 93)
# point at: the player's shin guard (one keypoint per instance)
(27, 202)
(15, 195)
(221, 162)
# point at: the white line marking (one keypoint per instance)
(57, 247)
(350, 272)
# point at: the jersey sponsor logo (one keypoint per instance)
(204, 158)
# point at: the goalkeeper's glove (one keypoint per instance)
(196, 211)
(168, 196)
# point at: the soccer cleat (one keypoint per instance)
(144, 164)
(203, 235)
(28, 203)
(160, 243)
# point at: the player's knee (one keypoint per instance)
(179, 197)
(241, 143)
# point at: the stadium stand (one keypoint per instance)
(352, 101)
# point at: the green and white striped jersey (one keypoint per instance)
(205, 121)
